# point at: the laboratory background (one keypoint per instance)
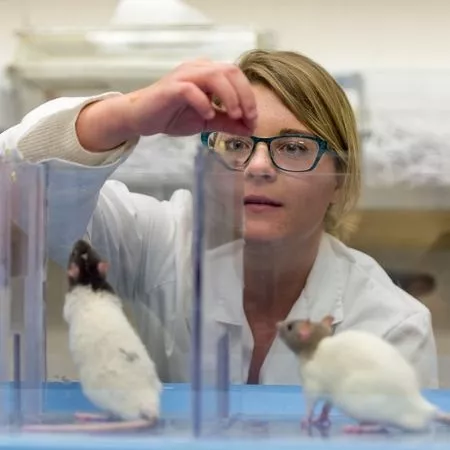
(391, 57)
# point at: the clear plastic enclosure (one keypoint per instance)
(22, 280)
(177, 262)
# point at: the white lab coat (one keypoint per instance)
(148, 243)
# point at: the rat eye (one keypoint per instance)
(289, 327)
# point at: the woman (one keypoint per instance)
(293, 265)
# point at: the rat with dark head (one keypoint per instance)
(116, 372)
(86, 268)
(361, 374)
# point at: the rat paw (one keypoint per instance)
(320, 422)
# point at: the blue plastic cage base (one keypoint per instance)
(260, 417)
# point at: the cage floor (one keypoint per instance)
(259, 417)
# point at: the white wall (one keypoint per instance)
(17, 13)
(349, 33)
(338, 33)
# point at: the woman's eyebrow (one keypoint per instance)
(292, 131)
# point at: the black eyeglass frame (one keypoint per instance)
(323, 148)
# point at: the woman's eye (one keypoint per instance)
(294, 148)
(235, 145)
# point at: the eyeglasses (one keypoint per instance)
(291, 153)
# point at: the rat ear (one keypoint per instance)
(103, 267)
(73, 271)
(328, 321)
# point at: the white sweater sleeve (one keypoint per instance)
(48, 132)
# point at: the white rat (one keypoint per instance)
(359, 373)
(115, 370)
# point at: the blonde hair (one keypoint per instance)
(318, 101)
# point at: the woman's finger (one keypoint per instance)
(244, 91)
(218, 85)
(197, 100)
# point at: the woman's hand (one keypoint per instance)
(179, 104)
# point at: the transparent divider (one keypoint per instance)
(29, 273)
(22, 280)
(5, 287)
(218, 253)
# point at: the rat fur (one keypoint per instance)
(359, 373)
(115, 370)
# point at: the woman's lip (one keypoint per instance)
(260, 207)
(260, 200)
(260, 204)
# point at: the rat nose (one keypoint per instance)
(260, 164)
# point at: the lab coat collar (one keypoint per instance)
(324, 290)
(322, 295)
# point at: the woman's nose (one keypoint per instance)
(260, 164)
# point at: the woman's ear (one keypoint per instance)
(338, 188)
